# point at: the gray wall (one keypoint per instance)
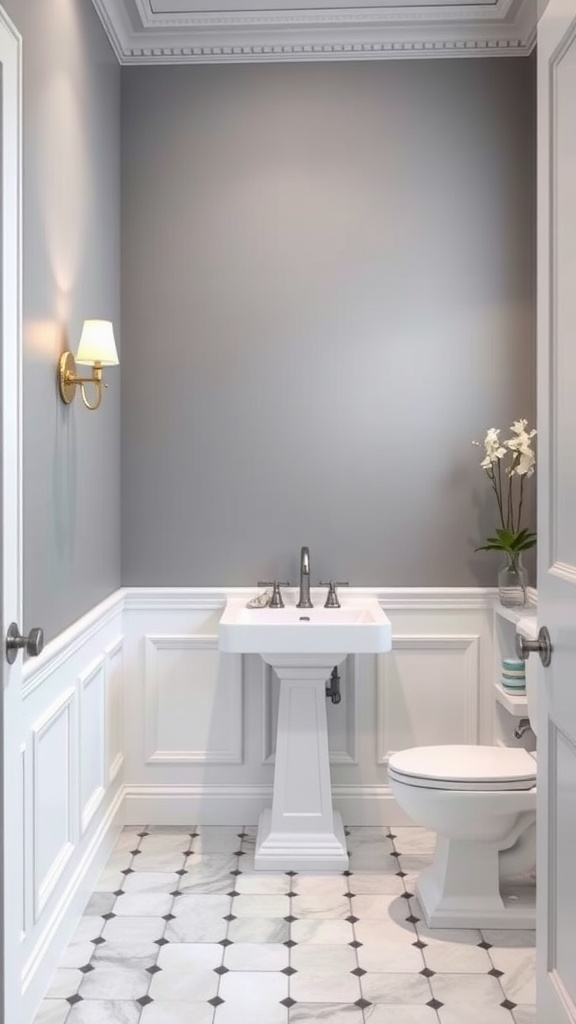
(328, 293)
(71, 272)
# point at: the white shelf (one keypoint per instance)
(515, 705)
(515, 614)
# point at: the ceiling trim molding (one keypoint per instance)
(141, 36)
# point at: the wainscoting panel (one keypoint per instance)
(428, 693)
(193, 701)
(115, 709)
(92, 753)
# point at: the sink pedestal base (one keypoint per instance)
(302, 832)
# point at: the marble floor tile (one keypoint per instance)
(129, 838)
(167, 861)
(110, 881)
(191, 956)
(322, 886)
(52, 1011)
(99, 903)
(254, 992)
(151, 882)
(510, 939)
(325, 932)
(321, 988)
(135, 955)
(104, 1011)
(257, 956)
(386, 956)
(413, 840)
(329, 1013)
(170, 830)
(261, 906)
(142, 904)
(118, 982)
(209, 873)
(475, 1014)
(78, 954)
(479, 990)
(162, 843)
(198, 919)
(174, 1012)
(378, 931)
(134, 929)
(519, 979)
(376, 882)
(262, 1013)
(524, 1014)
(217, 839)
(88, 928)
(196, 986)
(260, 883)
(387, 907)
(328, 960)
(259, 929)
(321, 907)
(65, 983)
(448, 958)
(397, 989)
(383, 1013)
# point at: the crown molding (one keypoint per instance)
(141, 34)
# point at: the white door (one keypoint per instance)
(11, 881)
(556, 917)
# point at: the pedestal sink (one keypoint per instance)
(302, 832)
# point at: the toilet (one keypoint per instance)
(481, 802)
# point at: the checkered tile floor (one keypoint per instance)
(182, 930)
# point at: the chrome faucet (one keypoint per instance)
(304, 596)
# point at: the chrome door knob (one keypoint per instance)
(32, 644)
(542, 645)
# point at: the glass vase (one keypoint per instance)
(512, 581)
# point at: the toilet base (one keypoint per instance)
(463, 889)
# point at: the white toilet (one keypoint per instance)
(481, 802)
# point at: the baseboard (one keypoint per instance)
(242, 805)
(59, 928)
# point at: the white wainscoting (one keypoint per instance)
(72, 750)
(201, 742)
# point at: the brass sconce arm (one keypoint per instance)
(97, 348)
(69, 381)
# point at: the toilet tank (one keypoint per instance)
(528, 628)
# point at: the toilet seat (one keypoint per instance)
(459, 767)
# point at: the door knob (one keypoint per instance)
(543, 645)
(33, 643)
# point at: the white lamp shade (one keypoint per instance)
(97, 343)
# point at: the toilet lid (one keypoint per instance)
(464, 767)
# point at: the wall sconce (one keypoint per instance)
(97, 348)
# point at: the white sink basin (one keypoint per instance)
(358, 627)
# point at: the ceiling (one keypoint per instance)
(263, 31)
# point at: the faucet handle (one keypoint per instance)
(332, 596)
(276, 600)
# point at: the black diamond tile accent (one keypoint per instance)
(225, 942)
(358, 972)
(220, 970)
(176, 892)
(508, 1005)
(394, 854)
(74, 999)
(238, 853)
(355, 944)
(419, 944)
(142, 834)
(427, 973)
(288, 971)
(291, 873)
(412, 919)
(127, 871)
(194, 835)
(350, 894)
(401, 874)
(108, 917)
(189, 853)
(235, 873)
(86, 969)
(169, 917)
(434, 1003)
(182, 871)
(290, 943)
(352, 919)
(216, 1001)
(154, 969)
(288, 1002)
(161, 942)
(242, 835)
(485, 945)
(290, 918)
(407, 896)
(347, 873)
(229, 917)
(391, 836)
(145, 1000)
(233, 893)
(98, 940)
(135, 852)
(496, 973)
(362, 1003)
(291, 893)
(118, 892)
